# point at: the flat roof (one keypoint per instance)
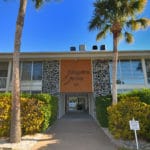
(93, 54)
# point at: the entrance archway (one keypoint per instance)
(76, 102)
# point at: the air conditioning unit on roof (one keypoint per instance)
(72, 48)
(82, 47)
(94, 47)
(103, 47)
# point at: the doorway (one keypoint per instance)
(77, 103)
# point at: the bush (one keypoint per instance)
(125, 110)
(54, 110)
(102, 102)
(38, 112)
(50, 108)
(5, 106)
(101, 109)
(143, 94)
(32, 115)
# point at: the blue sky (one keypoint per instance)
(58, 25)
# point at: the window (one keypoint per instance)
(36, 92)
(3, 74)
(3, 69)
(31, 71)
(26, 70)
(148, 70)
(129, 72)
(37, 71)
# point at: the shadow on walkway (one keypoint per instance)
(75, 131)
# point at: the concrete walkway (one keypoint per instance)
(75, 131)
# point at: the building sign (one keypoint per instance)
(134, 125)
(76, 76)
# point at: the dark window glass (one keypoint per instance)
(125, 72)
(26, 70)
(3, 69)
(129, 72)
(37, 71)
(137, 72)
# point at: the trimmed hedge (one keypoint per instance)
(5, 106)
(32, 115)
(38, 112)
(101, 109)
(143, 94)
(50, 108)
(102, 102)
(125, 110)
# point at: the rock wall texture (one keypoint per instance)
(101, 78)
(50, 81)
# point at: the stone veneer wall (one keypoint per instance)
(50, 82)
(101, 77)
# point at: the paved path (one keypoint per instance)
(75, 131)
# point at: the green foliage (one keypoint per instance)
(38, 112)
(113, 16)
(54, 109)
(125, 110)
(49, 108)
(103, 102)
(32, 115)
(5, 106)
(101, 109)
(143, 94)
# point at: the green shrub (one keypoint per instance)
(5, 106)
(50, 108)
(125, 110)
(54, 110)
(38, 112)
(46, 99)
(143, 94)
(101, 109)
(32, 116)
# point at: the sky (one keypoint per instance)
(57, 26)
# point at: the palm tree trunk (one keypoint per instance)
(114, 68)
(15, 128)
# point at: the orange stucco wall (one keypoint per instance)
(76, 76)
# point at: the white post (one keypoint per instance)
(134, 125)
(136, 139)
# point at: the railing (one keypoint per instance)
(3, 81)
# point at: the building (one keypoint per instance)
(76, 77)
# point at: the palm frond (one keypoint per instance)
(133, 24)
(38, 3)
(103, 32)
(144, 22)
(129, 37)
(100, 35)
(94, 23)
(123, 12)
(139, 5)
(138, 24)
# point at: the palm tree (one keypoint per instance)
(119, 18)
(15, 129)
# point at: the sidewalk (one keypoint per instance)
(75, 131)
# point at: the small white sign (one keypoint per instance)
(134, 125)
